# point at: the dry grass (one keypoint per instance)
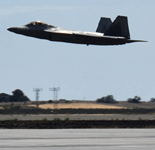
(77, 106)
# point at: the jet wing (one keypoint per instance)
(86, 34)
(82, 34)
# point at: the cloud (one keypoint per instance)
(31, 9)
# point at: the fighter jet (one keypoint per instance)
(107, 33)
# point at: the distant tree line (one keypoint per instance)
(152, 100)
(106, 99)
(136, 99)
(18, 96)
(110, 99)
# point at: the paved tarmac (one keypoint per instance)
(80, 117)
(78, 139)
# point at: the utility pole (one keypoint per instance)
(37, 90)
(55, 95)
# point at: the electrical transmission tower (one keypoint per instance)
(37, 90)
(55, 95)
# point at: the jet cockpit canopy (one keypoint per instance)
(38, 23)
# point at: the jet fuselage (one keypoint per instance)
(42, 30)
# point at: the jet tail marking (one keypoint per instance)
(103, 25)
(119, 28)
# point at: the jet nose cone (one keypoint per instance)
(13, 29)
(10, 29)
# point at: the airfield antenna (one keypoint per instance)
(37, 90)
(55, 95)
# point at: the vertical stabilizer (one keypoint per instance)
(103, 25)
(119, 28)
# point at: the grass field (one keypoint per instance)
(78, 106)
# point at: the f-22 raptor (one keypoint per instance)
(107, 33)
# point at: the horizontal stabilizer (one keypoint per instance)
(103, 25)
(119, 28)
(131, 41)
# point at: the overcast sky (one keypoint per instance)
(81, 72)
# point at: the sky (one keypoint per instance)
(82, 72)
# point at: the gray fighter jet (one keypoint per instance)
(107, 33)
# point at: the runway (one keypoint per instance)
(78, 139)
